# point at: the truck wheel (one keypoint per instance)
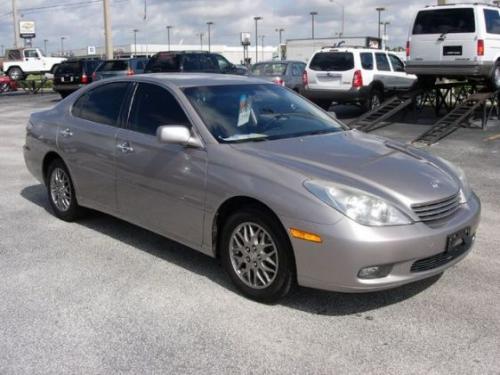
(494, 82)
(16, 74)
(374, 100)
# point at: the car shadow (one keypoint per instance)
(304, 299)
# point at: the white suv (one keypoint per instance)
(455, 41)
(354, 75)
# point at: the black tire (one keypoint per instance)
(284, 276)
(325, 104)
(54, 68)
(73, 210)
(426, 82)
(374, 100)
(16, 73)
(494, 80)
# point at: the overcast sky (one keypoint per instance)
(83, 25)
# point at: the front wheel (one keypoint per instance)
(257, 255)
(61, 192)
(16, 74)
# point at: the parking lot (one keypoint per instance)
(104, 296)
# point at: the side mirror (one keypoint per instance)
(178, 135)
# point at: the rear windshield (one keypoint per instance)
(74, 67)
(269, 69)
(111, 66)
(339, 61)
(449, 21)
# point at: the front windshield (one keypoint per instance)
(255, 112)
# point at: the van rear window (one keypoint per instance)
(336, 61)
(448, 21)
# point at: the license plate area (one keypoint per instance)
(459, 241)
(452, 51)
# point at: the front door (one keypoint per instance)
(160, 186)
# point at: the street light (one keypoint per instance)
(135, 41)
(62, 45)
(256, 38)
(312, 22)
(343, 16)
(385, 32)
(45, 46)
(168, 35)
(379, 10)
(209, 24)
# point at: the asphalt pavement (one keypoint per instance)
(102, 296)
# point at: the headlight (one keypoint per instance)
(465, 189)
(357, 205)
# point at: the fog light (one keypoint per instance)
(374, 272)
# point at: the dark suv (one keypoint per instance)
(190, 61)
(73, 74)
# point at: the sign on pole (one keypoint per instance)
(27, 29)
(245, 39)
(91, 50)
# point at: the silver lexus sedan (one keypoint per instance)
(254, 174)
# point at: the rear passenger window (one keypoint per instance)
(382, 62)
(102, 104)
(154, 106)
(492, 20)
(397, 64)
(366, 60)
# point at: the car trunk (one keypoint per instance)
(331, 70)
(444, 36)
(69, 73)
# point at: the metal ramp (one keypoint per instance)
(455, 118)
(372, 120)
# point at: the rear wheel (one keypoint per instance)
(494, 81)
(16, 73)
(374, 100)
(61, 192)
(257, 255)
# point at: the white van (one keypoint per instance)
(455, 41)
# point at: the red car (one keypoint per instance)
(7, 84)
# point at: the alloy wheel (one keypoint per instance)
(253, 255)
(60, 189)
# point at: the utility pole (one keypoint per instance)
(384, 41)
(256, 39)
(108, 37)
(201, 41)
(343, 17)
(379, 10)
(209, 24)
(62, 45)
(135, 41)
(312, 22)
(262, 45)
(16, 24)
(168, 35)
(45, 46)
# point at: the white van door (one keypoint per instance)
(444, 34)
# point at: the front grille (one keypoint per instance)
(437, 210)
(439, 260)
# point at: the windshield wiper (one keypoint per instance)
(240, 138)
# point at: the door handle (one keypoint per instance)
(66, 133)
(125, 147)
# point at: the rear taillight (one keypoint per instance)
(305, 79)
(130, 72)
(279, 81)
(84, 78)
(408, 48)
(357, 79)
(480, 47)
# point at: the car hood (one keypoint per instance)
(382, 167)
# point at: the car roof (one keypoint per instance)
(197, 79)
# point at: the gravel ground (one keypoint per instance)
(102, 296)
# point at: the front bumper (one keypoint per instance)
(348, 247)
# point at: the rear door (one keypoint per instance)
(87, 141)
(332, 70)
(383, 72)
(160, 186)
(444, 35)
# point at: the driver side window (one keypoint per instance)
(154, 106)
(31, 53)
